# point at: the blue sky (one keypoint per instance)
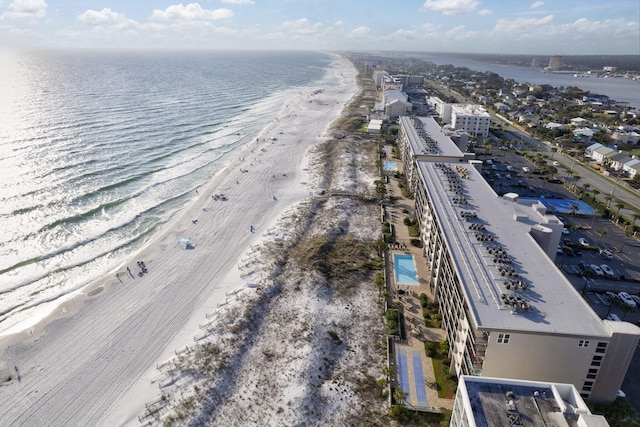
(484, 26)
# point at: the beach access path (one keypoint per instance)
(92, 362)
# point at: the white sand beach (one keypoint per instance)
(93, 361)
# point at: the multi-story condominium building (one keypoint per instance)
(472, 119)
(391, 83)
(507, 310)
(378, 74)
(409, 81)
(442, 108)
(499, 402)
(421, 138)
(556, 62)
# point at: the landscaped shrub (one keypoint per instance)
(392, 317)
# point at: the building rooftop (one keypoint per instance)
(498, 402)
(508, 279)
(426, 137)
(470, 109)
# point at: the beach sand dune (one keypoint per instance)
(93, 360)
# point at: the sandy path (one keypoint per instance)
(95, 366)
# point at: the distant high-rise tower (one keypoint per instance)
(556, 62)
(535, 62)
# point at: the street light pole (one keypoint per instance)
(584, 288)
(613, 189)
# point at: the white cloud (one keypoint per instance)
(238, 1)
(360, 31)
(26, 9)
(101, 17)
(451, 7)
(459, 33)
(301, 26)
(520, 26)
(537, 4)
(484, 12)
(430, 27)
(190, 12)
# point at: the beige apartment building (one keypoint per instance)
(507, 310)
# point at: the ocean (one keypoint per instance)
(99, 150)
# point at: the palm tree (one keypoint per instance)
(608, 198)
(627, 234)
(601, 232)
(573, 208)
(635, 217)
(619, 206)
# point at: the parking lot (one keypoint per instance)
(505, 174)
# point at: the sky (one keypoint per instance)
(549, 27)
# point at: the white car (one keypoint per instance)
(556, 164)
(607, 270)
(565, 231)
(625, 298)
(583, 241)
(606, 254)
(596, 269)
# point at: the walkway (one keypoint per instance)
(414, 369)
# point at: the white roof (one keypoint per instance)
(444, 146)
(554, 304)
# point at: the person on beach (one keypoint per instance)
(251, 228)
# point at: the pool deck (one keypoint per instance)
(416, 331)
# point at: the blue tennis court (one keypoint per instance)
(403, 373)
(404, 269)
(418, 378)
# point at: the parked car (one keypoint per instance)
(526, 169)
(583, 242)
(606, 254)
(565, 231)
(607, 270)
(567, 241)
(612, 296)
(556, 164)
(596, 269)
(636, 299)
(559, 250)
(626, 299)
(582, 265)
(614, 317)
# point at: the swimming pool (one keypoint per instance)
(390, 166)
(405, 269)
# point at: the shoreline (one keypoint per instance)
(216, 229)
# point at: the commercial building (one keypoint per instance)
(507, 310)
(497, 402)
